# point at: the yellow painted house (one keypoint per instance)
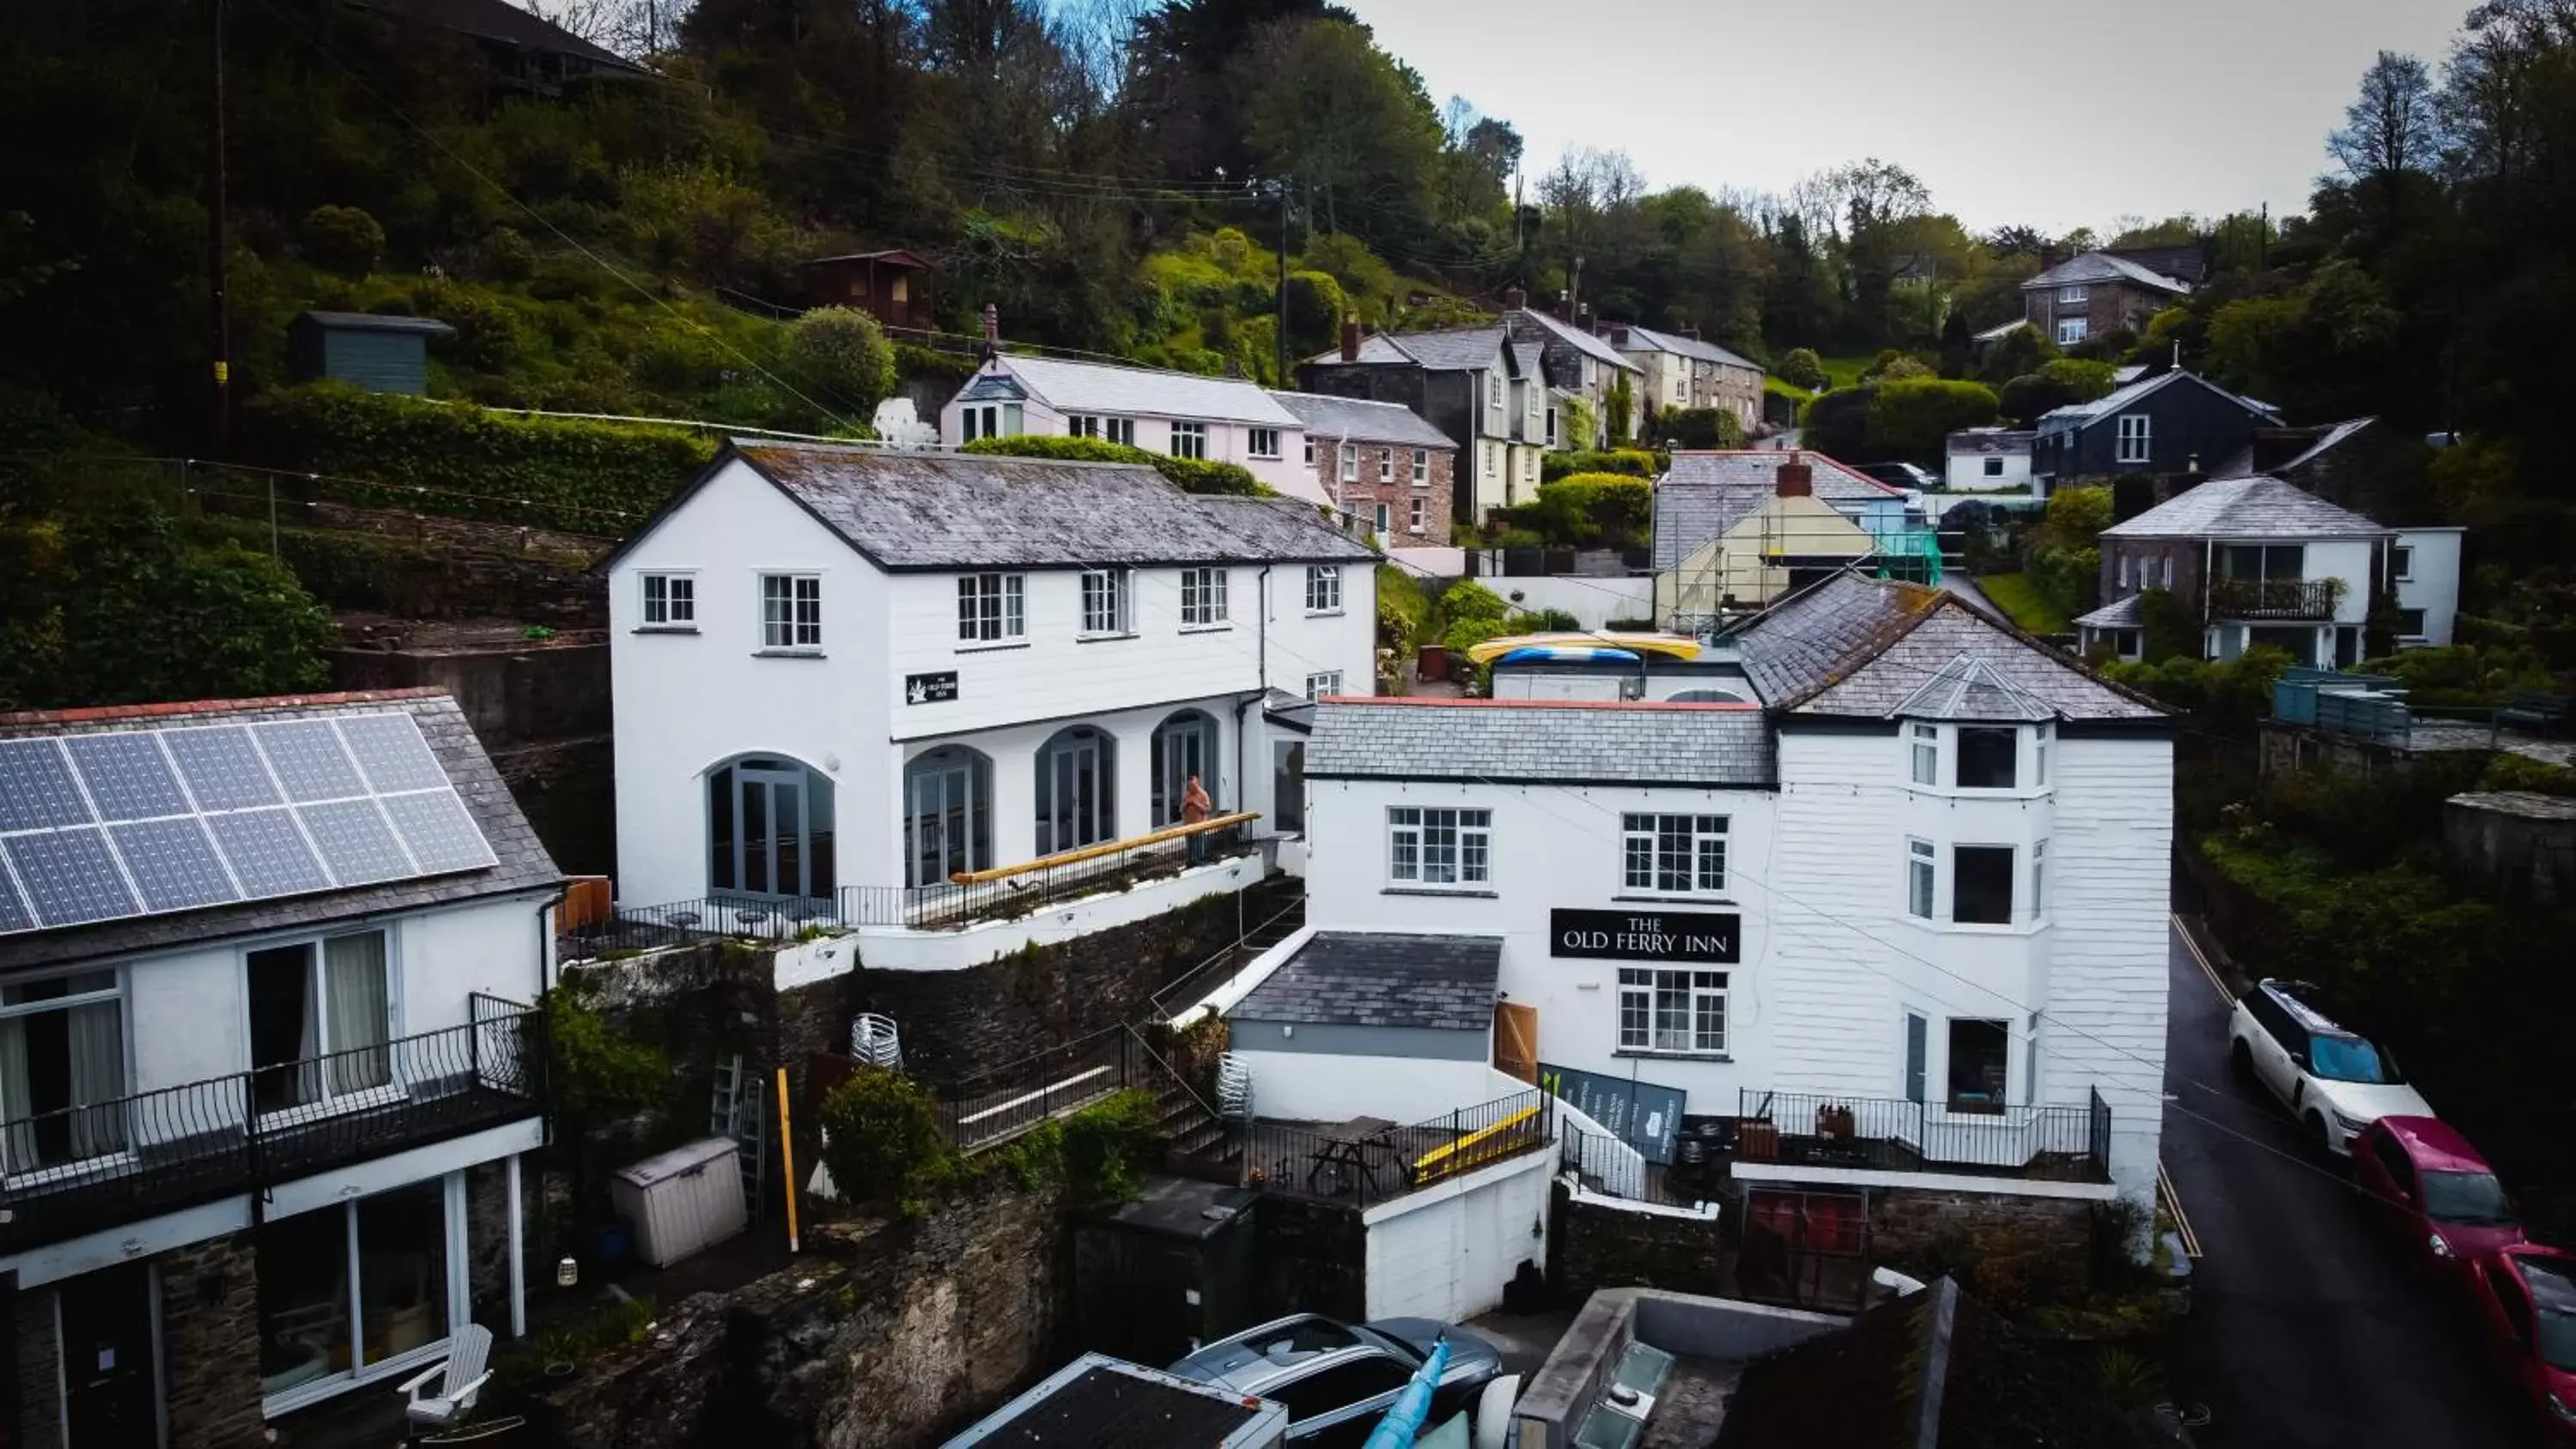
(1766, 553)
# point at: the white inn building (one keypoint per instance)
(1888, 885)
(845, 677)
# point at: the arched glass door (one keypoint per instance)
(1184, 745)
(948, 804)
(769, 829)
(1077, 794)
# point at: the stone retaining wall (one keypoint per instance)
(1593, 1246)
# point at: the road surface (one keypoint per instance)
(2306, 1328)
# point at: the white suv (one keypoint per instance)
(2335, 1080)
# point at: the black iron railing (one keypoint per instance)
(79, 1169)
(1613, 1168)
(1366, 1167)
(2045, 1143)
(942, 906)
(2273, 598)
(994, 1106)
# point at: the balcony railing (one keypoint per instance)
(2040, 1143)
(1006, 893)
(1366, 1165)
(80, 1169)
(2273, 598)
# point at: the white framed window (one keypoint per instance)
(1189, 440)
(791, 611)
(1262, 443)
(1385, 519)
(1994, 467)
(1675, 1011)
(2136, 438)
(2401, 562)
(1551, 427)
(1919, 860)
(2038, 879)
(2072, 330)
(321, 1015)
(1673, 854)
(1494, 389)
(1981, 885)
(1082, 425)
(1323, 588)
(1105, 599)
(1493, 464)
(62, 1072)
(1985, 757)
(1327, 682)
(2041, 737)
(991, 608)
(670, 601)
(1310, 450)
(1350, 462)
(1413, 519)
(1439, 847)
(1202, 597)
(1422, 467)
(369, 1288)
(1386, 465)
(1121, 431)
(2071, 294)
(988, 420)
(2167, 572)
(1926, 752)
(2120, 571)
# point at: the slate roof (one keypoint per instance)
(1701, 746)
(1981, 441)
(523, 864)
(1581, 340)
(2002, 330)
(1869, 648)
(2129, 394)
(2323, 440)
(2257, 507)
(1373, 979)
(1529, 360)
(1456, 349)
(2119, 614)
(1099, 387)
(1706, 493)
(1680, 346)
(908, 510)
(512, 25)
(2103, 267)
(1375, 422)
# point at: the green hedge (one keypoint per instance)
(1635, 462)
(1190, 475)
(912, 361)
(584, 477)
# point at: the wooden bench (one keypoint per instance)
(2535, 711)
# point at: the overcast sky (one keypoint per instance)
(2052, 113)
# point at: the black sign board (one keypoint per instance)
(1644, 934)
(1645, 1115)
(930, 688)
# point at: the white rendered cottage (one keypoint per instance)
(1890, 881)
(1183, 414)
(266, 977)
(844, 676)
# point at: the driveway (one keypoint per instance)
(2306, 1328)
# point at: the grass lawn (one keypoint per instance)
(2022, 603)
(1839, 372)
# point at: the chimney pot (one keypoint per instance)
(1350, 339)
(1691, 331)
(1583, 318)
(992, 331)
(1564, 306)
(1515, 298)
(1795, 478)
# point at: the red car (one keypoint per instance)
(2526, 1297)
(2436, 1190)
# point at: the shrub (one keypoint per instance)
(912, 361)
(1836, 423)
(1468, 599)
(1701, 428)
(2169, 627)
(2510, 771)
(1801, 368)
(842, 354)
(1634, 462)
(1903, 368)
(1109, 1147)
(489, 333)
(597, 1074)
(1611, 510)
(1910, 416)
(1190, 475)
(1316, 307)
(506, 256)
(884, 1143)
(1620, 398)
(343, 240)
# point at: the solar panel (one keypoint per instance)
(389, 748)
(70, 876)
(127, 778)
(309, 761)
(355, 843)
(36, 789)
(222, 768)
(441, 835)
(110, 824)
(268, 854)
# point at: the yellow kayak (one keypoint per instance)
(1671, 646)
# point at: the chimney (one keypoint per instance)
(1583, 318)
(1691, 331)
(1795, 479)
(1515, 298)
(1564, 306)
(992, 331)
(1350, 339)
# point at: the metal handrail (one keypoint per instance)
(1105, 848)
(2052, 1142)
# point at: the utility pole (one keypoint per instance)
(220, 326)
(1279, 187)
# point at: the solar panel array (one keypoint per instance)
(97, 827)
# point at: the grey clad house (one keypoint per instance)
(2167, 422)
(363, 349)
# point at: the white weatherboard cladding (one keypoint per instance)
(686, 703)
(1448, 1251)
(2432, 583)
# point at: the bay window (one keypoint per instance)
(1981, 885)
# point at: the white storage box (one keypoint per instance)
(682, 1200)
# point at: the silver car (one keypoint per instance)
(1339, 1379)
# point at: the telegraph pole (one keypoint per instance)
(216, 246)
(1280, 186)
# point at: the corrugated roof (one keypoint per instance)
(376, 322)
(2256, 507)
(522, 864)
(1353, 979)
(1706, 493)
(1350, 417)
(1552, 741)
(1650, 340)
(907, 510)
(2103, 267)
(1098, 387)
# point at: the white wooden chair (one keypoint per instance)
(460, 1378)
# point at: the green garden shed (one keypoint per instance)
(378, 353)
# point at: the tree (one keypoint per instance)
(842, 354)
(1801, 368)
(1910, 416)
(2393, 125)
(343, 239)
(1620, 401)
(1349, 124)
(1837, 423)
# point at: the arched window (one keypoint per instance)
(1704, 696)
(769, 828)
(1077, 789)
(1184, 745)
(948, 814)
